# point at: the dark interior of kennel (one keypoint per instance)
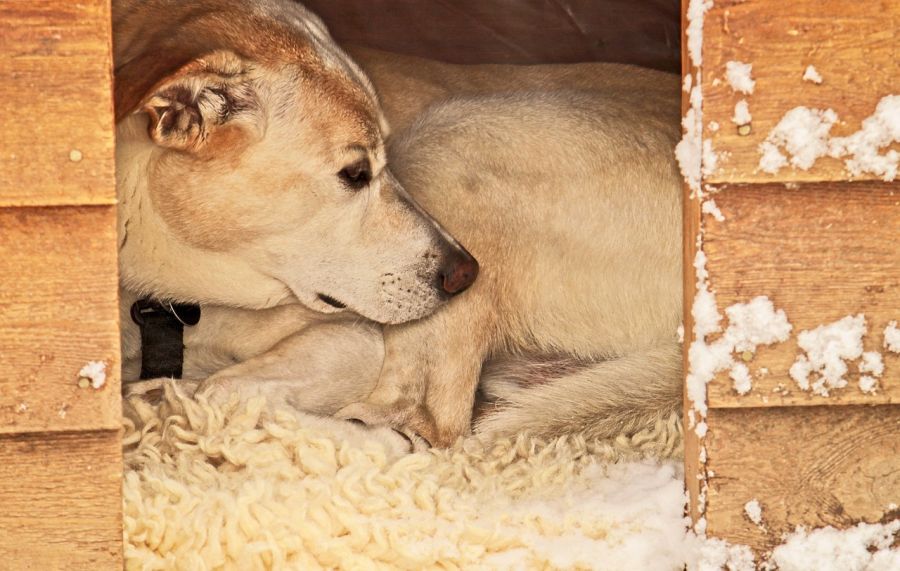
(640, 32)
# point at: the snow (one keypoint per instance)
(717, 555)
(750, 324)
(879, 130)
(741, 113)
(95, 372)
(739, 77)
(692, 154)
(701, 429)
(756, 323)
(892, 337)
(811, 74)
(642, 503)
(866, 547)
(680, 333)
(803, 133)
(710, 158)
(771, 159)
(827, 348)
(800, 371)
(713, 126)
(710, 207)
(741, 380)
(868, 385)
(688, 151)
(872, 363)
(754, 511)
(695, 14)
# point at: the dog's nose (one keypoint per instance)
(459, 271)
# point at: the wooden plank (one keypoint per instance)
(691, 218)
(57, 140)
(811, 466)
(820, 252)
(62, 501)
(58, 310)
(852, 44)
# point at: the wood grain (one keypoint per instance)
(853, 45)
(812, 466)
(58, 310)
(62, 500)
(57, 140)
(820, 252)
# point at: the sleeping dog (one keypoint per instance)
(257, 179)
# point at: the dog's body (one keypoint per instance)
(560, 181)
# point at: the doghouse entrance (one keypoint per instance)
(818, 245)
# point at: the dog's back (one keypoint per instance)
(571, 200)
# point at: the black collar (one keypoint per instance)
(162, 335)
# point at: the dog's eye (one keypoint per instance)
(357, 175)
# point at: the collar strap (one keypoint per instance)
(162, 335)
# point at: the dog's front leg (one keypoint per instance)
(318, 370)
(430, 373)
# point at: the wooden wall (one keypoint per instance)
(820, 247)
(60, 446)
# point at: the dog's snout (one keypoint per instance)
(459, 271)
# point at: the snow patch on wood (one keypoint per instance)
(878, 131)
(695, 14)
(754, 511)
(811, 74)
(892, 337)
(828, 348)
(804, 134)
(739, 76)
(741, 379)
(864, 547)
(741, 113)
(95, 373)
(710, 207)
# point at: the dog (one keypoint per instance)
(254, 179)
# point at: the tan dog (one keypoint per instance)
(251, 173)
(565, 192)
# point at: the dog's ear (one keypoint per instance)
(188, 106)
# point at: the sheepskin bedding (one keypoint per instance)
(233, 488)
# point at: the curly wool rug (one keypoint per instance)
(239, 488)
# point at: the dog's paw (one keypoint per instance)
(414, 422)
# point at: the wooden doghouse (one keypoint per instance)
(820, 246)
(819, 243)
(60, 440)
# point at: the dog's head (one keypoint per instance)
(271, 161)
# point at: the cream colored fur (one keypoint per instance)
(560, 180)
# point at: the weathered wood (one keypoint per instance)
(811, 466)
(690, 209)
(57, 139)
(61, 498)
(852, 44)
(820, 252)
(58, 310)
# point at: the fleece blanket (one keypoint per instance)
(235, 487)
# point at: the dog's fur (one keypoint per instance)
(559, 179)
